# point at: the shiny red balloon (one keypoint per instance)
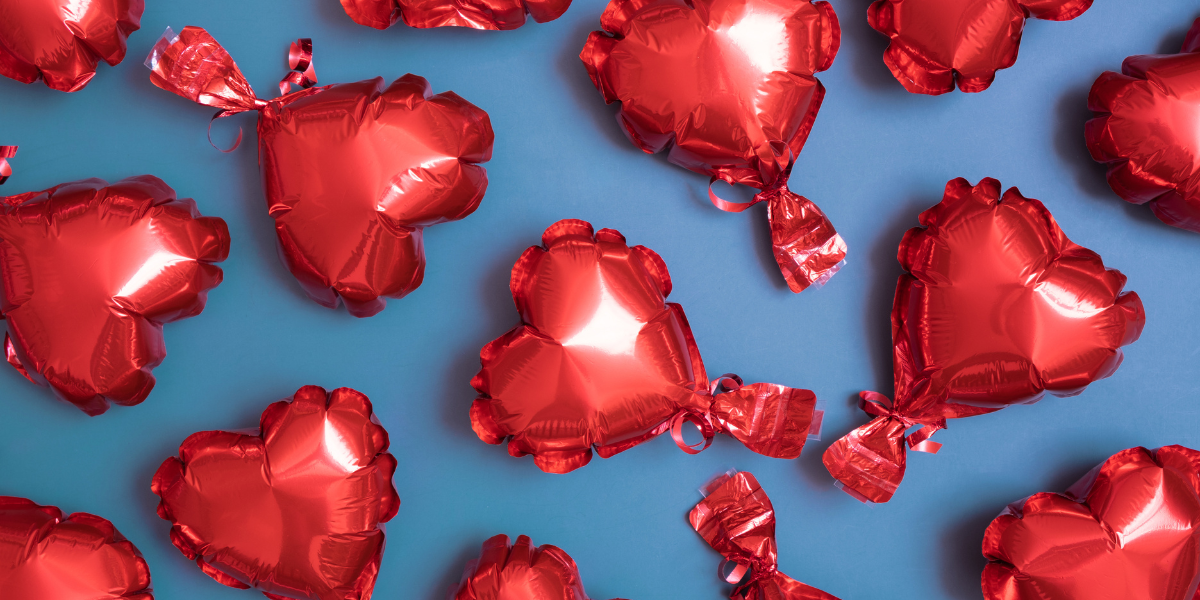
(936, 43)
(601, 359)
(62, 41)
(1130, 529)
(353, 173)
(44, 556)
(91, 273)
(736, 518)
(476, 14)
(728, 88)
(1145, 131)
(998, 308)
(520, 572)
(295, 510)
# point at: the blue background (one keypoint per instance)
(877, 157)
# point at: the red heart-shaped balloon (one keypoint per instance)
(295, 510)
(476, 14)
(1130, 529)
(91, 272)
(61, 41)
(601, 359)
(729, 87)
(82, 557)
(520, 572)
(1145, 131)
(353, 172)
(938, 42)
(998, 307)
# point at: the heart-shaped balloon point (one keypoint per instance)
(476, 14)
(353, 173)
(520, 572)
(998, 307)
(1145, 131)
(937, 43)
(729, 88)
(91, 273)
(601, 360)
(62, 41)
(295, 510)
(44, 556)
(1130, 529)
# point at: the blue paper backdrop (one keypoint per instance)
(877, 157)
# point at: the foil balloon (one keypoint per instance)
(1130, 529)
(728, 88)
(736, 518)
(519, 571)
(1144, 131)
(476, 14)
(601, 360)
(62, 41)
(998, 308)
(91, 273)
(45, 556)
(938, 43)
(295, 510)
(353, 173)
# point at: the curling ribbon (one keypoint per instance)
(878, 405)
(763, 194)
(303, 74)
(6, 152)
(725, 383)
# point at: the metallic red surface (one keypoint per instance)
(936, 43)
(294, 509)
(520, 572)
(62, 41)
(91, 272)
(737, 520)
(1130, 529)
(6, 152)
(476, 14)
(998, 307)
(1145, 131)
(353, 173)
(601, 359)
(728, 87)
(44, 556)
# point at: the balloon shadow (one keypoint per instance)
(448, 582)
(867, 46)
(501, 316)
(587, 97)
(961, 554)
(881, 294)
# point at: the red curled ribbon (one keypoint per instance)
(193, 65)
(6, 152)
(303, 74)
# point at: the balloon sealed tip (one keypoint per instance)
(852, 493)
(814, 428)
